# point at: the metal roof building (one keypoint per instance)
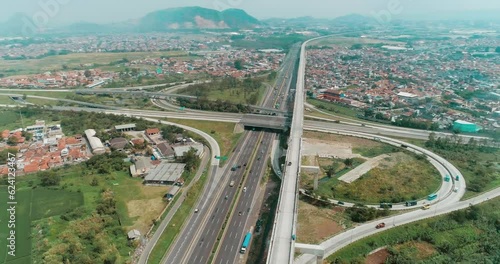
(95, 143)
(165, 173)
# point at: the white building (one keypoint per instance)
(95, 143)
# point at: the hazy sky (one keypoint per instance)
(103, 11)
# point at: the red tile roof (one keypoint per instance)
(5, 133)
(33, 167)
(151, 131)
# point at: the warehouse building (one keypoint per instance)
(95, 143)
(464, 126)
(165, 174)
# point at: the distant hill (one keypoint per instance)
(196, 18)
(163, 20)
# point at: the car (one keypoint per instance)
(340, 202)
(244, 189)
(289, 163)
(244, 165)
(456, 189)
(425, 207)
(196, 210)
(226, 197)
(231, 184)
(381, 225)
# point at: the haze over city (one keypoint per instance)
(119, 10)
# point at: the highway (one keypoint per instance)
(229, 248)
(197, 241)
(281, 244)
(202, 229)
(239, 225)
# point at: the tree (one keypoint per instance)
(49, 178)
(348, 162)
(238, 64)
(12, 141)
(191, 159)
(87, 73)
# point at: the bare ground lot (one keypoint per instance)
(317, 224)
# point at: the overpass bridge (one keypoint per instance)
(263, 121)
(158, 95)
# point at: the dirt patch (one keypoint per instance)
(317, 224)
(424, 249)
(147, 206)
(145, 211)
(309, 160)
(377, 257)
(393, 160)
(331, 145)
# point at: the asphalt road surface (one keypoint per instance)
(204, 225)
(228, 252)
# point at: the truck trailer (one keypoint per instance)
(245, 243)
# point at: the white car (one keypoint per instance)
(456, 189)
(244, 189)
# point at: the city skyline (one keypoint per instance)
(71, 11)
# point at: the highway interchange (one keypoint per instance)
(197, 241)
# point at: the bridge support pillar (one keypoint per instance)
(315, 250)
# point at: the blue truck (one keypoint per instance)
(246, 242)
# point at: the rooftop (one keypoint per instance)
(126, 126)
(168, 172)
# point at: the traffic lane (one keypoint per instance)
(194, 224)
(238, 227)
(202, 251)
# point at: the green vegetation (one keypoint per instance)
(334, 108)
(466, 236)
(74, 61)
(477, 162)
(222, 132)
(22, 226)
(397, 179)
(273, 42)
(352, 42)
(375, 151)
(229, 89)
(177, 222)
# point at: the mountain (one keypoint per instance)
(196, 18)
(18, 24)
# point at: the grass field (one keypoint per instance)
(6, 100)
(177, 221)
(33, 204)
(48, 203)
(51, 63)
(398, 178)
(235, 95)
(334, 108)
(349, 41)
(223, 132)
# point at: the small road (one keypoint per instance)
(339, 241)
(151, 243)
